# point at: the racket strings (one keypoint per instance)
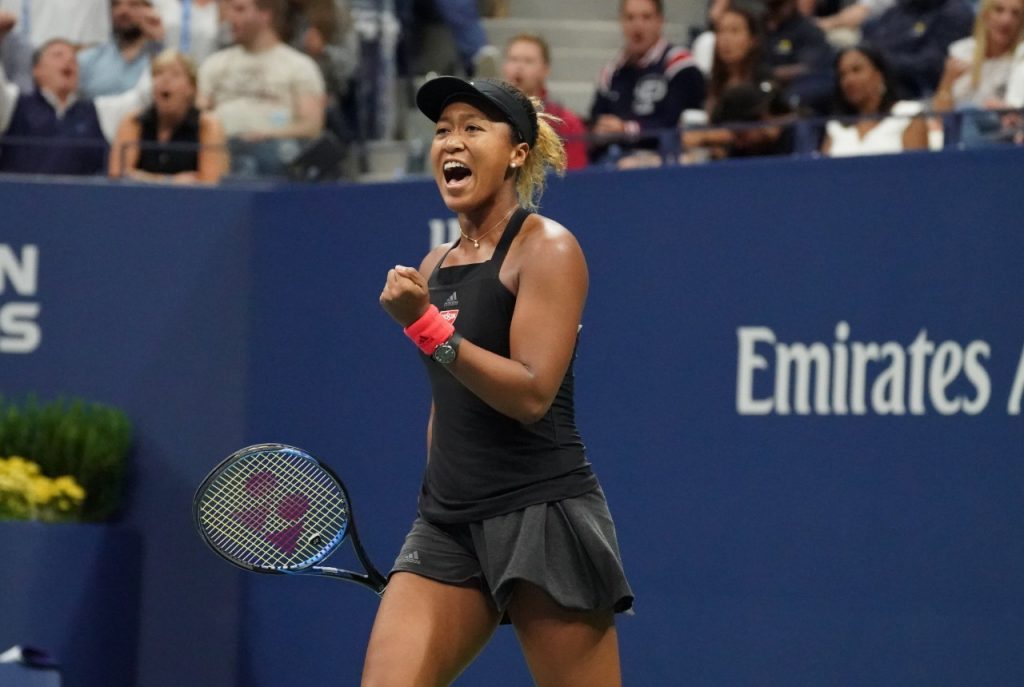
(252, 524)
(264, 514)
(274, 510)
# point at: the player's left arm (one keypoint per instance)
(552, 283)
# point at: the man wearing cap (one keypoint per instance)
(646, 88)
(116, 66)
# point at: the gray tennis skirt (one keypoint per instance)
(567, 548)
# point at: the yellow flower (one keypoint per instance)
(67, 486)
(19, 464)
(41, 491)
(27, 493)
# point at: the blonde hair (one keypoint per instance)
(981, 40)
(548, 153)
(174, 56)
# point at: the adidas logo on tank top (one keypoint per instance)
(450, 309)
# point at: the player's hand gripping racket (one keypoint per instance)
(272, 508)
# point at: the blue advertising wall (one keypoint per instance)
(796, 382)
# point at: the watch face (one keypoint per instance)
(445, 353)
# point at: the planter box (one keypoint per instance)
(14, 675)
(73, 590)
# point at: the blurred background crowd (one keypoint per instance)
(198, 91)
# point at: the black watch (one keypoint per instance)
(447, 352)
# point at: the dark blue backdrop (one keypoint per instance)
(781, 549)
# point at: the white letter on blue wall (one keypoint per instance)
(749, 361)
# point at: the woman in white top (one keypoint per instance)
(866, 89)
(978, 66)
(978, 70)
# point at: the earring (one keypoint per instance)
(514, 165)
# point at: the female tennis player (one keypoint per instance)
(512, 524)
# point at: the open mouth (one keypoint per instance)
(455, 173)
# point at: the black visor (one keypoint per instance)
(437, 94)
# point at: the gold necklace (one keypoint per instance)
(476, 241)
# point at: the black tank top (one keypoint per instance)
(174, 156)
(483, 463)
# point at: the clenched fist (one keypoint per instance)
(405, 296)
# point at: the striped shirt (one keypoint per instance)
(652, 92)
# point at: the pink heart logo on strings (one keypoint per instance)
(291, 507)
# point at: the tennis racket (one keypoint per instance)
(273, 508)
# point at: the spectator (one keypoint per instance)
(914, 36)
(978, 67)
(527, 66)
(737, 60)
(53, 110)
(323, 29)
(645, 89)
(115, 66)
(15, 53)
(866, 89)
(80, 22)
(268, 95)
(739, 54)
(191, 26)
(372, 103)
(799, 55)
(171, 140)
(749, 103)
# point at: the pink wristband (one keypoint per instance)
(430, 331)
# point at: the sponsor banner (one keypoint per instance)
(20, 330)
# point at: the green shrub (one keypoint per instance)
(88, 441)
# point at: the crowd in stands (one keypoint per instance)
(189, 91)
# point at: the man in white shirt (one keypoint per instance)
(269, 96)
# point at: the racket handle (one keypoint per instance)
(376, 585)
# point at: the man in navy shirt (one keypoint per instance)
(50, 130)
(915, 35)
(643, 91)
(799, 56)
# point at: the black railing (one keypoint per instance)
(959, 130)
